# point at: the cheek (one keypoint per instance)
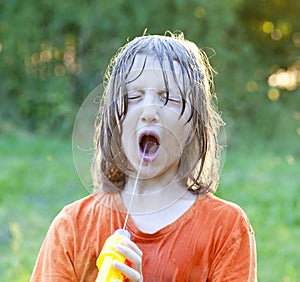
(128, 137)
(184, 133)
(182, 127)
(177, 137)
(126, 134)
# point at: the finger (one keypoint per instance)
(133, 246)
(134, 257)
(132, 274)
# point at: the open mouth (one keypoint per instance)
(149, 145)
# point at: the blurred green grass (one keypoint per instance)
(37, 178)
(266, 185)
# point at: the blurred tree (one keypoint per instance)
(273, 27)
(53, 53)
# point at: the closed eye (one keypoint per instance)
(135, 95)
(175, 100)
(171, 97)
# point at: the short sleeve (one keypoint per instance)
(237, 258)
(55, 260)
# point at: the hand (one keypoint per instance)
(132, 253)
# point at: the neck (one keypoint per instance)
(145, 184)
(153, 194)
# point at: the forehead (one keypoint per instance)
(149, 69)
(151, 61)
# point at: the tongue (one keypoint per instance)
(149, 145)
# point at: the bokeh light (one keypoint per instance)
(286, 78)
(267, 27)
(273, 94)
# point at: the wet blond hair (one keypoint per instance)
(199, 162)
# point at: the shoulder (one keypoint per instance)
(80, 205)
(86, 210)
(92, 204)
(72, 212)
(225, 214)
(217, 206)
(84, 218)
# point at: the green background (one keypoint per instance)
(54, 53)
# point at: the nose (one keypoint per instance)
(149, 114)
(150, 109)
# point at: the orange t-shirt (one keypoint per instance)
(212, 241)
